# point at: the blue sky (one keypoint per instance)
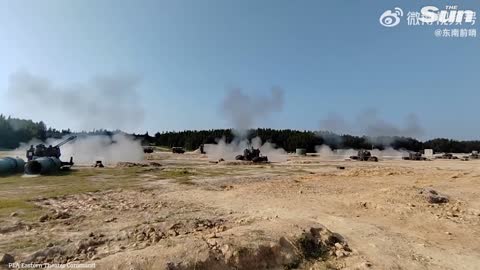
(329, 57)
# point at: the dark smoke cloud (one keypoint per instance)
(373, 125)
(105, 102)
(370, 123)
(243, 111)
(335, 122)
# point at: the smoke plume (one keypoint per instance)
(336, 123)
(370, 123)
(105, 102)
(243, 111)
(373, 125)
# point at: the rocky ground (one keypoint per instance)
(187, 212)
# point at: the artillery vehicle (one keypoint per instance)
(178, 150)
(45, 160)
(473, 155)
(98, 164)
(447, 156)
(252, 154)
(364, 155)
(414, 156)
(148, 150)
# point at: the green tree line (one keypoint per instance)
(14, 131)
(291, 139)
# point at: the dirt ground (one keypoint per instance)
(186, 212)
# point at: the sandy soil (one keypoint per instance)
(305, 213)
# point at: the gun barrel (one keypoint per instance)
(71, 138)
(9, 165)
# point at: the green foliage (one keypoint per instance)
(452, 146)
(191, 140)
(13, 131)
(291, 139)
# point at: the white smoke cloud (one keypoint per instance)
(110, 150)
(325, 152)
(228, 151)
(87, 149)
(389, 153)
(105, 102)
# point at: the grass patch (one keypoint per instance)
(8, 203)
(181, 175)
(214, 172)
(177, 173)
(26, 244)
(162, 149)
(17, 193)
(28, 210)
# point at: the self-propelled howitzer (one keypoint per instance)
(46, 160)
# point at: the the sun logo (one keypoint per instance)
(391, 18)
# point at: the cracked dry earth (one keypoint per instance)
(304, 213)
